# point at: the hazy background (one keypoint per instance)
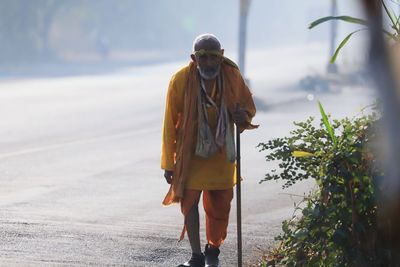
(82, 97)
(85, 33)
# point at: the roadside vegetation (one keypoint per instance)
(338, 223)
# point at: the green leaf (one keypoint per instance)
(350, 20)
(397, 24)
(344, 18)
(328, 126)
(301, 154)
(390, 15)
(391, 35)
(343, 43)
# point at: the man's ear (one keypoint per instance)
(222, 53)
(193, 57)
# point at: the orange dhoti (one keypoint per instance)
(217, 205)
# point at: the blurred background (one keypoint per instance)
(64, 32)
(82, 95)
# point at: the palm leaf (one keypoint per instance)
(347, 19)
(344, 18)
(391, 35)
(328, 126)
(390, 15)
(343, 43)
(397, 22)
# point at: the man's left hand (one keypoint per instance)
(239, 116)
(168, 176)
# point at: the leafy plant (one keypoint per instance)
(394, 25)
(337, 225)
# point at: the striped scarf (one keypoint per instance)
(207, 144)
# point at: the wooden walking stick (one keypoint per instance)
(238, 195)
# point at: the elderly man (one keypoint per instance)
(204, 100)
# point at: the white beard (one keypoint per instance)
(209, 76)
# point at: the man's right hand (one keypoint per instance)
(168, 176)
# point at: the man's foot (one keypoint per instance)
(211, 256)
(197, 260)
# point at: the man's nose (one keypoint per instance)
(209, 62)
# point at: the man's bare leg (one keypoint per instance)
(193, 228)
(190, 208)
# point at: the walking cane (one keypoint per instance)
(238, 195)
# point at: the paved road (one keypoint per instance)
(80, 182)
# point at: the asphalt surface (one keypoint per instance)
(80, 182)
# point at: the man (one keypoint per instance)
(204, 100)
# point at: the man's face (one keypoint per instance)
(208, 57)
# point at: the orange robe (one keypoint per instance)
(180, 132)
(217, 205)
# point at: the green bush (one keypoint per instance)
(338, 225)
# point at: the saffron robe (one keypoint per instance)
(180, 132)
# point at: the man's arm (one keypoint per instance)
(169, 132)
(245, 110)
(240, 117)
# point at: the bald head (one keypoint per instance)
(206, 41)
(208, 55)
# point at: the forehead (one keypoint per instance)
(207, 44)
